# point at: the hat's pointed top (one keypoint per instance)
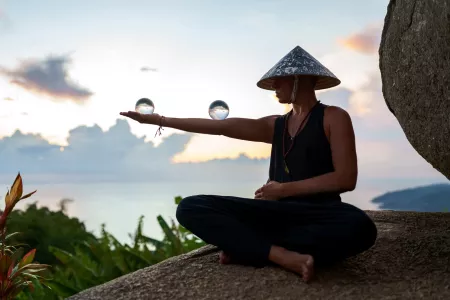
(301, 63)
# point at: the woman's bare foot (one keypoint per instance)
(302, 264)
(224, 258)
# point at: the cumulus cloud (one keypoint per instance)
(117, 155)
(365, 104)
(384, 152)
(368, 105)
(337, 97)
(366, 41)
(49, 77)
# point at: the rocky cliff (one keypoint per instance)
(415, 69)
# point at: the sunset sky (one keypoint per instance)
(67, 68)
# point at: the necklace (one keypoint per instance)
(285, 153)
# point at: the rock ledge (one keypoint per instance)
(410, 260)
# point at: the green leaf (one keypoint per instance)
(30, 268)
(175, 243)
(11, 235)
(62, 289)
(154, 242)
(28, 258)
(178, 199)
(29, 276)
(67, 259)
(138, 257)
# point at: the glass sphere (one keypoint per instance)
(219, 110)
(144, 106)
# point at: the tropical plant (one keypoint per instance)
(96, 261)
(17, 273)
(41, 227)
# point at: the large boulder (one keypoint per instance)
(410, 260)
(415, 69)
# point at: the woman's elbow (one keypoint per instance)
(348, 182)
(351, 186)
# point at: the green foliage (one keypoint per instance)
(40, 228)
(95, 260)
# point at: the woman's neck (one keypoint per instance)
(303, 106)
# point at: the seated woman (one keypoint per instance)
(297, 219)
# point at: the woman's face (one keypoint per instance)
(283, 87)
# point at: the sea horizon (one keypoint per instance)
(119, 205)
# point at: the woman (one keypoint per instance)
(297, 219)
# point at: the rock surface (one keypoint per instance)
(410, 260)
(415, 69)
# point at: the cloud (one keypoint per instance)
(48, 77)
(352, 68)
(116, 155)
(148, 69)
(368, 105)
(365, 104)
(338, 97)
(366, 41)
(384, 153)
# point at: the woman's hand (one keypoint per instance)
(153, 119)
(270, 191)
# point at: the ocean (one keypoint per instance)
(119, 205)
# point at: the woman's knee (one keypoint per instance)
(189, 207)
(184, 207)
(367, 230)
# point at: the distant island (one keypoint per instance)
(431, 198)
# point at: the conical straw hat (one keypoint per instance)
(301, 63)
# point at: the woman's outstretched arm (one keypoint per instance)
(256, 130)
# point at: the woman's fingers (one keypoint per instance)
(259, 195)
(133, 115)
(259, 190)
(142, 118)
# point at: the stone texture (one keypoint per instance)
(410, 260)
(415, 69)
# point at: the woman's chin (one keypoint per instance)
(282, 101)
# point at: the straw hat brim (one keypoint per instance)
(323, 82)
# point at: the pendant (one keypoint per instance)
(286, 169)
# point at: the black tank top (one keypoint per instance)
(309, 157)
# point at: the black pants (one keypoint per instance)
(247, 228)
